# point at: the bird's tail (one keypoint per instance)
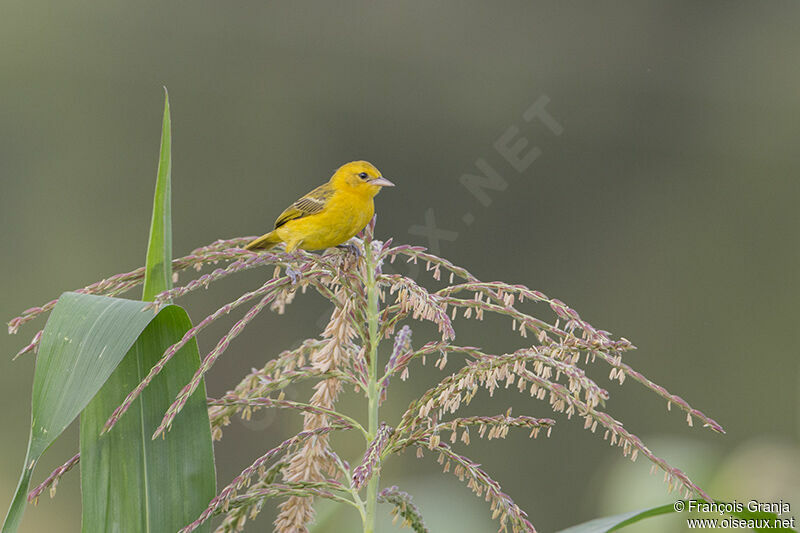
(265, 242)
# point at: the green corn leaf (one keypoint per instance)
(158, 275)
(92, 352)
(612, 523)
(83, 341)
(130, 482)
(616, 522)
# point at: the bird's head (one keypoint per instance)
(361, 177)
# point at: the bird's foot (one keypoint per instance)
(351, 248)
(352, 253)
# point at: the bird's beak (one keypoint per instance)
(383, 182)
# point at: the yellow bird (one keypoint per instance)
(330, 214)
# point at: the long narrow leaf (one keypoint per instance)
(83, 341)
(612, 523)
(128, 481)
(616, 522)
(158, 267)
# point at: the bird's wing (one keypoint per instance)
(310, 204)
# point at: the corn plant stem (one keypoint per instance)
(373, 390)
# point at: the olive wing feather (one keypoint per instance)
(310, 204)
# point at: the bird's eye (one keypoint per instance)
(363, 175)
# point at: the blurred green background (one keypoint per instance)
(665, 212)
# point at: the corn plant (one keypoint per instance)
(372, 305)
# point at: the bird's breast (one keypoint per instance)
(342, 218)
